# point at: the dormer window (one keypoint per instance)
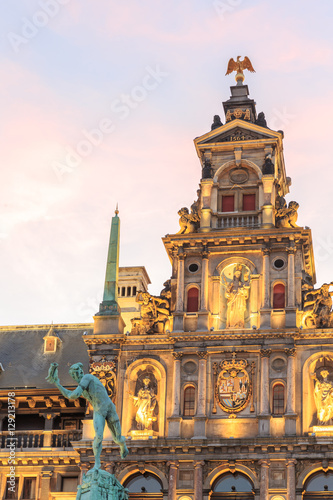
(51, 341)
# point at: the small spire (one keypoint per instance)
(109, 305)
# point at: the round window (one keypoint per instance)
(279, 263)
(193, 268)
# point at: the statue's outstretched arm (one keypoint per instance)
(69, 394)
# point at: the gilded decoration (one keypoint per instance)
(145, 402)
(236, 282)
(238, 113)
(318, 308)
(105, 371)
(154, 312)
(239, 67)
(233, 386)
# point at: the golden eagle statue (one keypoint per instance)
(239, 66)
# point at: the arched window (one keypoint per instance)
(318, 483)
(279, 296)
(192, 299)
(144, 486)
(189, 401)
(236, 483)
(278, 399)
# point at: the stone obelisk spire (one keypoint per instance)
(108, 319)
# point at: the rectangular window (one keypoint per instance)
(11, 490)
(29, 488)
(69, 483)
(249, 202)
(228, 203)
(134, 291)
(189, 401)
(128, 291)
(123, 290)
(278, 399)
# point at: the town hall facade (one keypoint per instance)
(224, 382)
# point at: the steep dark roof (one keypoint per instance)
(25, 363)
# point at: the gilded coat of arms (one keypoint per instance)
(233, 386)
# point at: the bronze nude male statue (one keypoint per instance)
(92, 389)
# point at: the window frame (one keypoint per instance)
(188, 287)
(279, 282)
(185, 387)
(278, 382)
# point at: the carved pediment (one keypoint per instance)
(236, 134)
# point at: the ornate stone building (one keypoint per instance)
(224, 382)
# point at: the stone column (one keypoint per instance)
(291, 277)
(176, 384)
(174, 263)
(264, 381)
(45, 479)
(198, 480)
(202, 382)
(264, 470)
(204, 280)
(266, 281)
(291, 378)
(180, 281)
(291, 481)
(173, 466)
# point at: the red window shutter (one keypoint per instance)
(192, 300)
(279, 296)
(228, 203)
(249, 202)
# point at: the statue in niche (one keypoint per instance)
(154, 314)
(189, 222)
(286, 216)
(146, 401)
(323, 395)
(237, 292)
(318, 307)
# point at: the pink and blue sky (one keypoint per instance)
(150, 75)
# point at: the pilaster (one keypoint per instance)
(290, 425)
(264, 417)
(175, 419)
(200, 417)
(173, 466)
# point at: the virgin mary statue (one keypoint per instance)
(237, 293)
